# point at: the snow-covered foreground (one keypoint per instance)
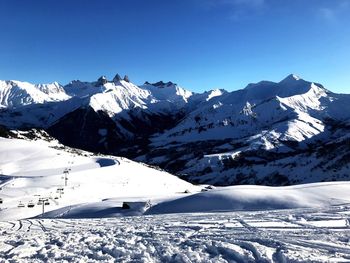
(298, 235)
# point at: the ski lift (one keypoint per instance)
(56, 197)
(30, 204)
(40, 202)
(60, 190)
(47, 203)
(21, 205)
(1, 201)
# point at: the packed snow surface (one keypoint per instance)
(253, 197)
(297, 235)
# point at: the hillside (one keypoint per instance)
(34, 170)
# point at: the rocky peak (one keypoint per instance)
(117, 78)
(101, 81)
(162, 84)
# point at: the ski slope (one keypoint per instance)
(34, 170)
(297, 235)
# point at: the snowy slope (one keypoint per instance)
(248, 198)
(294, 235)
(15, 94)
(120, 96)
(34, 169)
(265, 105)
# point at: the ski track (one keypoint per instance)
(261, 236)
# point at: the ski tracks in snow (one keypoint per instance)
(299, 235)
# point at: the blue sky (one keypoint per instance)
(199, 44)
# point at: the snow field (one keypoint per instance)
(297, 235)
(34, 170)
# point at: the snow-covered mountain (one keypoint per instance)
(267, 133)
(258, 107)
(14, 94)
(36, 102)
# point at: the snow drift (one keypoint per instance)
(243, 198)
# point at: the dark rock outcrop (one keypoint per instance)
(101, 81)
(117, 78)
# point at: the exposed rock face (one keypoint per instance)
(126, 78)
(117, 78)
(162, 84)
(101, 81)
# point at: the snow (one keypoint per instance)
(292, 109)
(233, 155)
(43, 104)
(233, 198)
(117, 97)
(285, 117)
(34, 169)
(257, 236)
(15, 94)
(168, 220)
(214, 93)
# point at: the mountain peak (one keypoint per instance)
(290, 78)
(101, 81)
(117, 78)
(162, 84)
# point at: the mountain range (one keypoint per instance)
(272, 133)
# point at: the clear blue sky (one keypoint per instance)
(199, 44)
